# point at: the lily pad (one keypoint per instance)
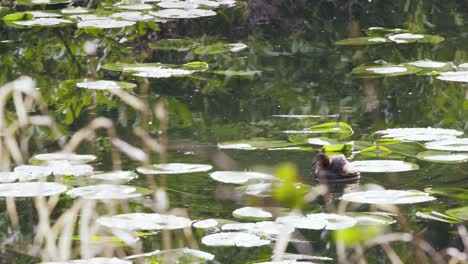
(302, 222)
(459, 76)
(220, 48)
(460, 213)
(333, 127)
(92, 261)
(442, 156)
(8, 176)
(206, 224)
(74, 10)
(132, 16)
(108, 192)
(418, 38)
(383, 165)
(41, 2)
(388, 197)
(99, 84)
(428, 64)
(105, 23)
(252, 213)
(178, 255)
(60, 156)
(454, 144)
(32, 172)
(363, 41)
(116, 176)
(31, 189)
(238, 239)
(434, 215)
(255, 143)
(240, 177)
(134, 7)
(174, 44)
(174, 168)
(387, 70)
(376, 151)
(457, 193)
(333, 221)
(178, 4)
(144, 221)
(419, 133)
(183, 13)
(372, 218)
(41, 22)
(264, 228)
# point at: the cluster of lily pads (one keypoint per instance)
(445, 71)
(118, 15)
(385, 153)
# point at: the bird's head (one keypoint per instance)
(322, 160)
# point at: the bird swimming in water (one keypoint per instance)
(334, 168)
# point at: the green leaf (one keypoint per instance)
(363, 41)
(255, 143)
(174, 44)
(457, 193)
(434, 215)
(388, 70)
(18, 16)
(442, 156)
(357, 234)
(376, 151)
(289, 191)
(460, 212)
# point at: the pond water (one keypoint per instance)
(187, 110)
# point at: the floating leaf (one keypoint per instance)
(132, 6)
(255, 143)
(383, 165)
(252, 213)
(338, 148)
(387, 197)
(174, 44)
(376, 151)
(380, 31)
(105, 23)
(238, 73)
(434, 215)
(442, 156)
(41, 2)
(220, 48)
(460, 213)
(115, 176)
(144, 221)
(333, 127)
(182, 13)
(457, 193)
(387, 70)
(178, 255)
(238, 239)
(240, 177)
(74, 10)
(132, 16)
(31, 189)
(459, 76)
(333, 221)
(7, 176)
(206, 224)
(418, 38)
(178, 4)
(58, 168)
(108, 191)
(264, 228)
(92, 261)
(97, 84)
(428, 64)
(60, 156)
(174, 168)
(302, 222)
(454, 144)
(371, 218)
(362, 41)
(419, 133)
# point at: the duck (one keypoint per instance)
(334, 168)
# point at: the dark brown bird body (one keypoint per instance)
(334, 168)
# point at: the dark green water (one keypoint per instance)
(303, 72)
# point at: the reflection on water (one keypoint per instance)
(242, 73)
